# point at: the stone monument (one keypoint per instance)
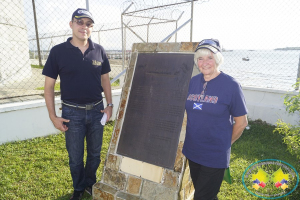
(144, 160)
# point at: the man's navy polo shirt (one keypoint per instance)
(80, 75)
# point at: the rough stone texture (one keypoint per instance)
(125, 196)
(115, 179)
(103, 191)
(170, 179)
(144, 47)
(154, 191)
(179, 160)
(168, 47)
(134, 185)
(129, 74)
(133, 59)
(188, 46)
(113, 162)
(187, 188)
(115, 138)
(186, 176)
(122, 109)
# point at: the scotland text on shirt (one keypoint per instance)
(201, 98)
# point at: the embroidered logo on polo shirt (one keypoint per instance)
(95, 62)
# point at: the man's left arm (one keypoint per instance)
(105, 82)
(238, 128)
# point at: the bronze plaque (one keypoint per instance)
(155, 108)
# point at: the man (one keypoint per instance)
(83, 68)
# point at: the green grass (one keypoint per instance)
(116, 83)
(257, 143)
(38, 168)
(37, 66)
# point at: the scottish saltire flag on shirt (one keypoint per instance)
(197, 106)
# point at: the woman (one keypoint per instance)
(215, 101)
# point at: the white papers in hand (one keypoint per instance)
(104, 118)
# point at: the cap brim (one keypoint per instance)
(84, 16)
(212, 49)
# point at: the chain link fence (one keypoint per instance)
(30, 28)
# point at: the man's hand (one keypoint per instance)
(58, 122)
(108, 111)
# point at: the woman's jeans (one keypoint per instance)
(83, 124)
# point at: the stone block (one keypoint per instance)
(113, 162)
(122, 104)
(133, 185)
(170, 179)
(129, 74)
(114, 139)
(186, 176)
(133, 59)
(168, 47)
(144, 47)
(103, 191)
(115, 179)
(188, 46)
(179, 160)
(189, 190)
(125, 196)
(154, 191)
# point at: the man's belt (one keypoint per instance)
(86, 106)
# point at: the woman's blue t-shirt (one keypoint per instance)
(210, 119)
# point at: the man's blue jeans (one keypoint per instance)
(83, 124)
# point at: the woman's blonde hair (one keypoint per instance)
(218, 57)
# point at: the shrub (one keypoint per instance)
(291, 133)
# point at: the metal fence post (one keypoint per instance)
(148, 29)
(298, 74)
(177, 25)
(123, 37)
(36, 34)
(192, 13)
(87, 5)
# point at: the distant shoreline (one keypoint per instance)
(288, 48)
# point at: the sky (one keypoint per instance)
(238, 24)
(249, 24)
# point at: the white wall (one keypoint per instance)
(24, 120)
(14, 48)
(267, 105)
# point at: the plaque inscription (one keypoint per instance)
(155, 108)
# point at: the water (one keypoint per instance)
(275, 69)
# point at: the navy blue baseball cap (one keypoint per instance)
(212, 44)
(82, 13)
